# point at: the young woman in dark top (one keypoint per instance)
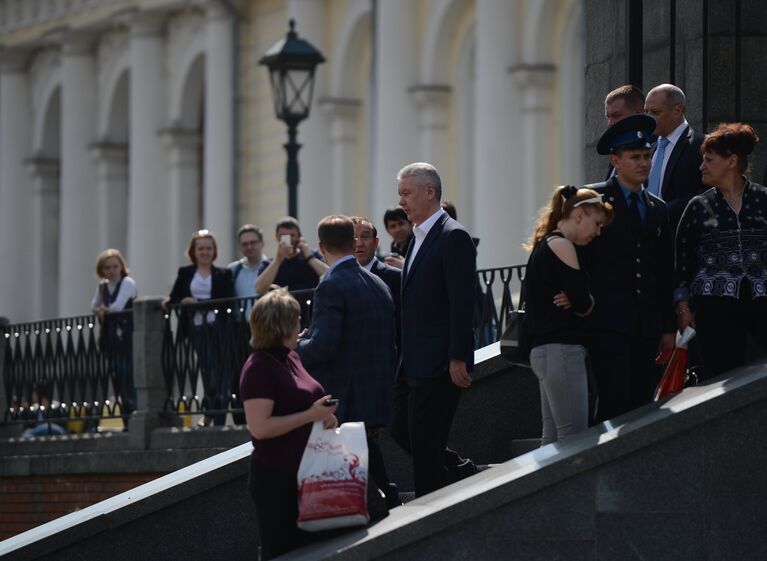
(721, 253)
(198, 282)
(557, 296)
(281, 402)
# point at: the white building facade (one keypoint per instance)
(132, 123)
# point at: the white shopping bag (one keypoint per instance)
(332, 478)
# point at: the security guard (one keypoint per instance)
(630, 269)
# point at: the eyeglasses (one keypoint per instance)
(366, 237)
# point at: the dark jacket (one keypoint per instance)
(631, 280)
(682, 178)
(350, 345)
(221, 285)
(392, 277)
(438, 291)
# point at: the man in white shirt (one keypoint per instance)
(675, 174)
(437, 347)
(245, 270)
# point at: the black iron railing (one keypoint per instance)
(497, 290)
(76, 371)
(69, 371)
(204, 348)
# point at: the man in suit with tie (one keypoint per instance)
(437, 352)
(349, 346)
(630, 268)
(620, 103)
(365, 246)
(675, 176)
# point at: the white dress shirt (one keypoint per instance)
(420, 232)
(675, 135)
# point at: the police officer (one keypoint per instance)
(630, 269)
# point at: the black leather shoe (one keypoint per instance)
(461, 471)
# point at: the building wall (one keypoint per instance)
(27, 502)
(119, 130)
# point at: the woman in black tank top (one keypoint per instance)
(557, 297)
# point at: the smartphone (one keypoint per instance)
(331, 402)
(285, 239)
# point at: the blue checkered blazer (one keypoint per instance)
(350, 345)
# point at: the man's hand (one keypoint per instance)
(458, 373)
(304, 248)
(283, 252)
(304, 333)
(395, 261)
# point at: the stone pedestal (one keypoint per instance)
(149, 321)
(342, 117)
(148, 233)
(78, 247)
(183, 148)
(111, 162)
(44, 174)
(218, 191)
(15, 196)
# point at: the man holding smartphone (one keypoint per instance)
(294, 266)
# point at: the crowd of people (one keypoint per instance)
(676, 236)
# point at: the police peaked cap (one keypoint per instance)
(634, 131)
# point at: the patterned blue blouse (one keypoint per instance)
(717, 248)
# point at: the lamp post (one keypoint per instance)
(291, 63)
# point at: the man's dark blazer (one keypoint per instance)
(682, 178)
(438, 302)
(350, 345)
(631, 280)
(392, 277)
(221, 285)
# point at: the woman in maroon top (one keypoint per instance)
(281, 402)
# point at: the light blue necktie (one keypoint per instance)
(653, 184)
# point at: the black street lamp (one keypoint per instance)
(291, 63)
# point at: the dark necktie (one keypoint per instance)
(635, 219)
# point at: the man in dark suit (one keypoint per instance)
(437, 350)
(630, 269)
(620, 103)
(349, 347)
(365, 246)
(675, 175)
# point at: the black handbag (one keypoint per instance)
(515, 341)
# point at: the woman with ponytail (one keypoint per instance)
(557, 297)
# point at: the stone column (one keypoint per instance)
(315, 158)
(218, 190)
(149, 325)
(78, 247)
(396, 134)
(345, 192)
(44, 174)
(183, 180)
(148, 210)
(111, 162)
(432, 102)
(15, 198)
(536, 83)
(498, 212)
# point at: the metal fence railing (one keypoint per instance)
(204, 347)
(74, 372)
(497, 290)
(69, 372)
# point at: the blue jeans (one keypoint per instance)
(561, 373)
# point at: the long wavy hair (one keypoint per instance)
(561, 205)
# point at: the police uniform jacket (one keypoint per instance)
(631, 279)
